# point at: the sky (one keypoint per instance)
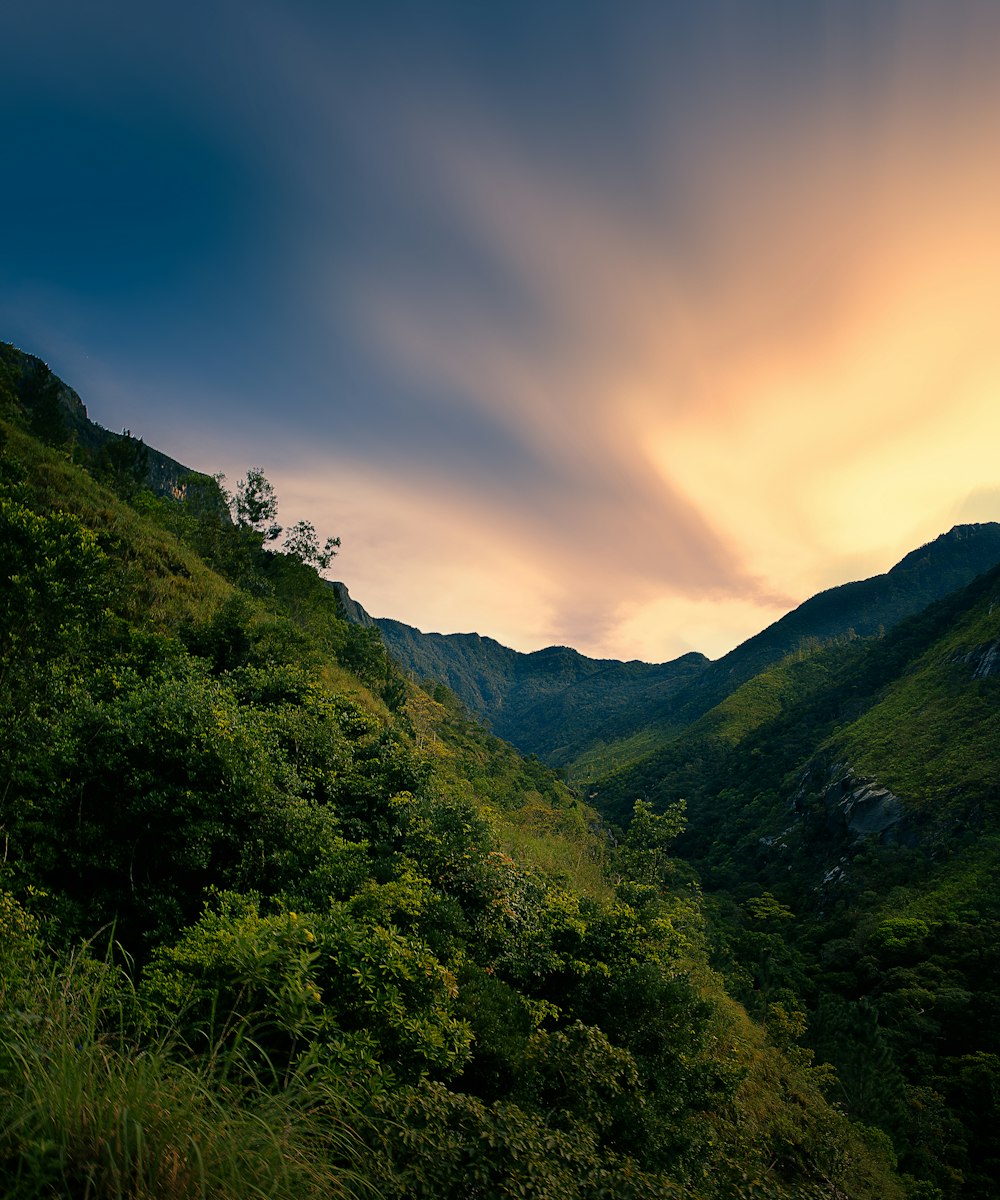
(625, 326)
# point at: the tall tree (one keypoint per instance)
(256, 505)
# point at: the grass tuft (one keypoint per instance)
(89, 1112)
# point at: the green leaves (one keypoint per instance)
(256, 505)
(302, 542)
(644, 855)
(51, 569)
(329, 977)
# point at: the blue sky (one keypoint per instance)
(622, 325)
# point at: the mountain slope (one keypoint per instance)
(863, 608)
(552, 703)
(857, 785)
(761, 730)
(274, 921)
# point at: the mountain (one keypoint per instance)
(553, 703)
(585, 713)
(861, 609)
(275, 921)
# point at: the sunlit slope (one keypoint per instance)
(862, 609)
(934, 737)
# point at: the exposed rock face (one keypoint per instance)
(865, 809)
(351, 609)
(856, 808)
(39, 389)
(983, 661)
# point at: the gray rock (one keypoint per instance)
(856, 808)
(351, 609)
(983, 661)
(871, 809)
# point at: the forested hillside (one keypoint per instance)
(840, 773)
(856, 786)
(592, 716)
(555, 703)
(277, 922)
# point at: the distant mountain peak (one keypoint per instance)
(974, 538)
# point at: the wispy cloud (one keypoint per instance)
(631, 340)
(727, 428)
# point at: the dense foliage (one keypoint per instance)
(276, 922)
(856, 786)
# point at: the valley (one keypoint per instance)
(295, 901)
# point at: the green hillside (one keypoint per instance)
(591, 717)
(277, 922)
(855, 787)
(862, 609)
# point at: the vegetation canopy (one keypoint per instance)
(276, 920)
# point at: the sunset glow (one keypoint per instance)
(629, 333)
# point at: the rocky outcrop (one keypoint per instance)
(982, 661)
(350, 609)
(855, 808)
(58, 415)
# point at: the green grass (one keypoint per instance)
(159, 581)
(88, 1111)
(606, 758)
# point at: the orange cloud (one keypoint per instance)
(774, 367)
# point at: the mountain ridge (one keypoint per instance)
(856, 608)
(573, 703)
(543, 702)
(58, 416)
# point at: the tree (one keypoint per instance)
(257, 505)
(123, 463)
(302, 542)
(644, 856)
